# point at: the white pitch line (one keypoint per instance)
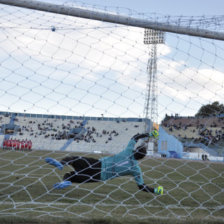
(104, 204)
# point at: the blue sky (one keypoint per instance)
(92, 68)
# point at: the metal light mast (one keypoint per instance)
(152, 38)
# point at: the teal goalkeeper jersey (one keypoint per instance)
(122, 164)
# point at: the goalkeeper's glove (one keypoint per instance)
(158, 190)
(154, 134)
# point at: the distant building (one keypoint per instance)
(168, 145)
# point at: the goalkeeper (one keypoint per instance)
(92, 170)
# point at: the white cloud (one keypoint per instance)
(188, 83)
(85, 53)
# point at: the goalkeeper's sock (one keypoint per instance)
(54, 162)
(158, 190)
(62, 184)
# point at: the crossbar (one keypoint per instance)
(113, 18)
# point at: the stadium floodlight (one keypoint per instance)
(152, 38)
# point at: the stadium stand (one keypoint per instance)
(201, 132)
(203, 129)
(89, 134)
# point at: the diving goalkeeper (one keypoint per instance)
(92, 170)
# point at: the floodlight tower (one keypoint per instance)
(152, 38)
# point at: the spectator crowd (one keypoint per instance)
(206, 130)
(40, 130)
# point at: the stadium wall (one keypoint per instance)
(69, 117)
(198, 156)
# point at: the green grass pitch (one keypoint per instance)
(193, 193)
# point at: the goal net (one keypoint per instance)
(85, 86)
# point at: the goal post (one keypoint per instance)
(111, 18)
(74, 81)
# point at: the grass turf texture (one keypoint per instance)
(193, 192)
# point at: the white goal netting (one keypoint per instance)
(63, 76)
